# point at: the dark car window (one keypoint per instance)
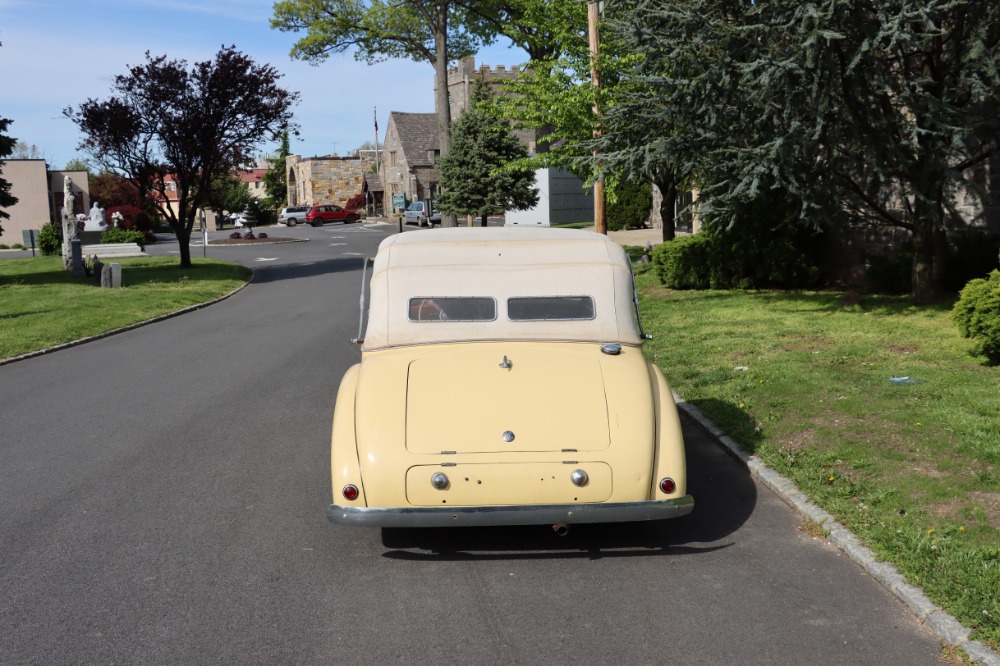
(550, 308)
(462, 308)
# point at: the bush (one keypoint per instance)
(683, 262)
(758, 246)
(124, 236)
(249, 235)
(132, 218)
(262, 235)
(892, 273)
(357, 201)
(18, 246)
(977, 314)
(763, 245)
(235, 235)
(49, 240)
(630, 210)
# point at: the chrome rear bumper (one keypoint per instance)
(542, 514)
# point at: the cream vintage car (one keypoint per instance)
(502, 382)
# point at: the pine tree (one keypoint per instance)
(477, 176)
(6, 147)
(875, 113)
(276, 177)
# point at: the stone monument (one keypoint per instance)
(96, 220)
(69, 227)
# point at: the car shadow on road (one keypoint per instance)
(264, 274)
(724, 493)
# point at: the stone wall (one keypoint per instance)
(315, 181)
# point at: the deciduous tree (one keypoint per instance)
(112, 190)
(193, 125)
(433, 31)
(23, 151)
(76, 164)
(229, 193)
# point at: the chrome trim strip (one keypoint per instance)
(539, 514)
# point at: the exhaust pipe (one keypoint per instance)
(560, 529)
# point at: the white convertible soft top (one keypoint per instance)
(499, 263)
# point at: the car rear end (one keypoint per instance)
(502, 381)
(505, 433)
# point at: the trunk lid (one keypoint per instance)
(530, 400)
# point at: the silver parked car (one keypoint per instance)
(292, 215)
(416, 213)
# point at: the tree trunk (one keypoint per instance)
(930, 249)
(668, 204)
(930, 243)
(184, 245)
(441, 105)
(482, 222)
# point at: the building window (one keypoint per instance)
(392, 158)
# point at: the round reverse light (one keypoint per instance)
(667, 485)
(440, 481)
(350, 492)
(579, 477)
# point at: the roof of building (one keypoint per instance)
(251, 175)
(418, 133)
(374, 182)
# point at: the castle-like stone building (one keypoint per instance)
(313, 181)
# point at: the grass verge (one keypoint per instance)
(41, 305)
(802, 380)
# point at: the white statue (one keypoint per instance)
(96, 220)
(68, 196)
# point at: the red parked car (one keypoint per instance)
(318, 215)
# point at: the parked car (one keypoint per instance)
(318, 215)
(416, 213)
(502, 382)
(292, 215)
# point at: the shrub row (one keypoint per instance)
(758, 247)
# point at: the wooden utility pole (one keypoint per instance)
(593, 14)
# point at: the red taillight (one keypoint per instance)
(667, 485)
(350, 492)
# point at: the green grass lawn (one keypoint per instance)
(42, 306)
(802, 380)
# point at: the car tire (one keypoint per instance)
(349, 219)
(315, 224)
(290, 222)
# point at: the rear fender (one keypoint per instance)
(668, 459)
(345, 465)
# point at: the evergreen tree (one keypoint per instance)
(276, 177)
(478, 176)
(879, 113)
(6, 148)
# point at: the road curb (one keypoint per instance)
(130, 327)
(945, 626)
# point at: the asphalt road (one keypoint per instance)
(163, 498)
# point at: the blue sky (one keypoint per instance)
(59, 53)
